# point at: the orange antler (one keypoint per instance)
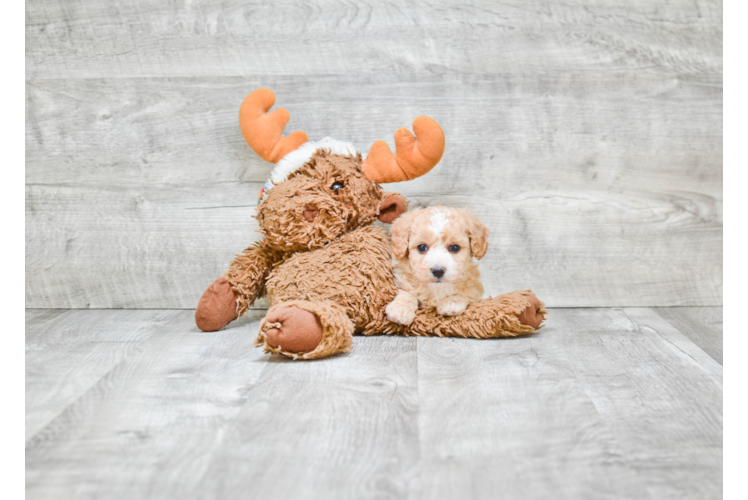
(263, 131)
(415, 155)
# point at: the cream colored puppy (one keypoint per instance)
(433, 252)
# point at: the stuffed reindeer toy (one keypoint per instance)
(327, 272)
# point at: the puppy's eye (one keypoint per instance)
(422, 248)
(337, 186)
(454, 248)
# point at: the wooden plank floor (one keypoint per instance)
(602, 403)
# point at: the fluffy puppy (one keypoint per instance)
(433, 252)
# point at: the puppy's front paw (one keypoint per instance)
(451, 307)
(400, 313)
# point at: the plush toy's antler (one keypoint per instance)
(415, 155)
(263, 131)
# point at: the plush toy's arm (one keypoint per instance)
(249, 271)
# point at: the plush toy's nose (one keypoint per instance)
(310, 213)
(438, 272)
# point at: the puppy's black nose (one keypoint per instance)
(438, 272)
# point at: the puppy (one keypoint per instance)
(433, 252)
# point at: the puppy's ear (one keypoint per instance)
(393, 206)
(478, 234)
(400, 233)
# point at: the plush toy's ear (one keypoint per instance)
(400, 233)
(393, 206)
(478, 234)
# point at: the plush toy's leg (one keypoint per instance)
(306, 330)
(217, 306)
(508, 315)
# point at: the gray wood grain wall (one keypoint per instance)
(586, 134)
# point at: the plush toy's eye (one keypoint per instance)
(422, 248)
(454, 248)
(337, 186)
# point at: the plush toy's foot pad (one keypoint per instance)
(293, 329)
(534, 314)
(217, 306)
(302, 329)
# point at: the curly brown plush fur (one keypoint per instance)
(321, 256)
